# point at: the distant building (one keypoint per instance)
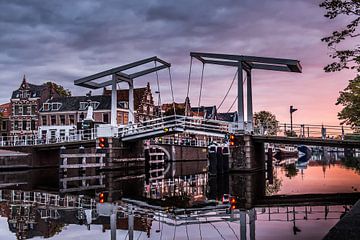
(209, 112)
(180, 108)
(227, 117)
(5, 112)
(25, 103)
(144, 108)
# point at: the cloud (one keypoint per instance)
(66, 40)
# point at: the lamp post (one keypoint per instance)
(292, 109)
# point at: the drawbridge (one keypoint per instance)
(175, 124)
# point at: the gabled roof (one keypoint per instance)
(209, 111)
(35, 90)
(228, 117)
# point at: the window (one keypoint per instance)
(53, 119)
(71, 119)
(33, 110)
(56, 106)
(81, 116)
(123, 104)
(46, 106)
(94, 105)
(24, 94)
(16, 125)
(62, 133)
(105, 117)
(4, 125)
(17, 110)
(32, 124)
(62, 119)
(24, 125)
(43, 119)
(26, 110)
(83, 106)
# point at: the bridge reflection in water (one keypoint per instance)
(184, 203)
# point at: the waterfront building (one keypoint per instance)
(25, 103)
(5, 112)
(60, 117)
(206, 112)
(144, 108)
(184, 108)
(227, 117)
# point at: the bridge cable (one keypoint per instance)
(158, 87)
(200, 229)
(172, 91)
(232, 82)
(217, 230)
(175, 229)
(232, 230)
(186, 229)
(201, 86)
(235, 98)
(188, 85)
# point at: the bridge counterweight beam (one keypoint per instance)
(114, 101)
(240, 97)
(131, 102)
(249, 102)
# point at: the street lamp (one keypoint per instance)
(292, 109)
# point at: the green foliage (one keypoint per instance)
(267, 121)
(59, 89)
(345, 58)
(350, 99)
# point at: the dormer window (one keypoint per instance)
(56, 106)
(94, 105)
(83, 106)
(24, 94)
(123, 104)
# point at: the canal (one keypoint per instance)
(292, 199)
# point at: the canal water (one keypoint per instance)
(293, 199)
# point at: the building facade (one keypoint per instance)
(59, 117)
(25, 104)
(144, 108)
(5, 112)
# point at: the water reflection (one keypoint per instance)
(182, 202)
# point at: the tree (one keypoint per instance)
(346, 58)
(59, 89)
(266, 122)
(350, 99)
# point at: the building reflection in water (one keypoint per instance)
(160, 205)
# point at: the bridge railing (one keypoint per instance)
(309, 131)
(35, 139)
(177, 121)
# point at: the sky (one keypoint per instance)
(62, 41)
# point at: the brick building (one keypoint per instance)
(144, 108)
(25, 103)
(5, 112)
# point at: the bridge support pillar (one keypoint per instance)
(247, 155)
